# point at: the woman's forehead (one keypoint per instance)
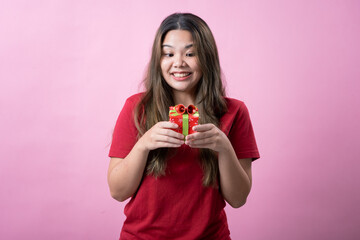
(178, 38)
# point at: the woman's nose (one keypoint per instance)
(178, 61)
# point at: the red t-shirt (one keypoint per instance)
(177, 205)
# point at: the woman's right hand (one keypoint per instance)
(161, 135)
(125, 174)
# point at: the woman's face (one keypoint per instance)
(179, 63)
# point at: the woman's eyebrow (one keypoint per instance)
(186, 47)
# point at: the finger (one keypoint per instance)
(203, 127)
(199, 135)
(165, 124)
(168, 139)
(167, 145)
(209, 146)
(172, 133)
(204, 141)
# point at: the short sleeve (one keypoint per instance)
(125, 132)
(241, 133)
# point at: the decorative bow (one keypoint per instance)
(180, 109)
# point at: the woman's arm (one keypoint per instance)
(124, 175)
(235, 178)
(235, 174)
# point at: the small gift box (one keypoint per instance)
(185, 117)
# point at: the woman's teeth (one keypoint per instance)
(181, 74)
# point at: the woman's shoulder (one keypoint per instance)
(135, 98)
(237, 113)
(132, 101)
(234, 104)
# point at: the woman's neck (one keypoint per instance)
(184, 98)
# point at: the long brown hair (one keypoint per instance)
(210, 92)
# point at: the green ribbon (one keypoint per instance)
(185, 123)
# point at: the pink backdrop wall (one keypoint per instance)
(66, 68)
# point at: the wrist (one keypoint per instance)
(227, 154)
(226, 146)
(140, 146)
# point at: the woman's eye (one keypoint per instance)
(190, 54)
(168, 54)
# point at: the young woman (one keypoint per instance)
(178, 185)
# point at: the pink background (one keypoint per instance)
(66, 68)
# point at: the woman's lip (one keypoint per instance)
(180, 78)
(179, 72)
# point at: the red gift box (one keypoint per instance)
(185, 117)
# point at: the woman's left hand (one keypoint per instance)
(208, 136)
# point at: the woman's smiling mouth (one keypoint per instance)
(180, 76)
